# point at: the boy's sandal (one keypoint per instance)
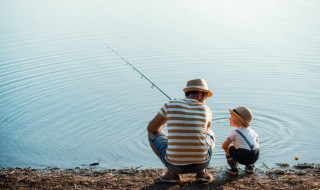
(249, 169)
(232, 171)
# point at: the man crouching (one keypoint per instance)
(189, 145)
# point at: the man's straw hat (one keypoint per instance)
(197, 85)
(243, 113)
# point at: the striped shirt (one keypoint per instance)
(187, 121)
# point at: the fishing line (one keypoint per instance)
(142, 75)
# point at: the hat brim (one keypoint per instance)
(198, 89)
(238, 116)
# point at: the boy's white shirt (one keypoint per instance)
(239, 142)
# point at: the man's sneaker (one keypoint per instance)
(204, 176)
(170, 177)
(233, 171)
(249, 169)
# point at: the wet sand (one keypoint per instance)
(301, 176)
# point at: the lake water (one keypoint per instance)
(68, 100)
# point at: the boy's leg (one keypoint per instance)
(249, 169)
(230, 159)
(233, 166)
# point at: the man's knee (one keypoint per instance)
(158, 142)
(150, 135)
(153, 136)
(211, 141)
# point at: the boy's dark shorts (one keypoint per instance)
(244, 156)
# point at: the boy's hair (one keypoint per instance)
(246, 126)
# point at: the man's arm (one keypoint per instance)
(156, 124)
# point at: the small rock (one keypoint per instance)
(305, 166)
(283, 164)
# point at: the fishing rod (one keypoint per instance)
(142, 75)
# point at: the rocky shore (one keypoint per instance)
(284, 176)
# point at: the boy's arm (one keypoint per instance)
(225, 146)
(156, 124)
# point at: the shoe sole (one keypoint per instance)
(204, 179)
(249, 171)
(232, 173)
(169, 180)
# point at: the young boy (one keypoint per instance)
(242, 145)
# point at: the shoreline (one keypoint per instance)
(284, 176)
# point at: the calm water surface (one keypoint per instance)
(67, 100)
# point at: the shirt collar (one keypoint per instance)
(192, 100)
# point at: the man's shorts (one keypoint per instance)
(159, 142)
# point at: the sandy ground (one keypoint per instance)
(301, 176)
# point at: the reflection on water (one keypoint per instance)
(67, 100)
